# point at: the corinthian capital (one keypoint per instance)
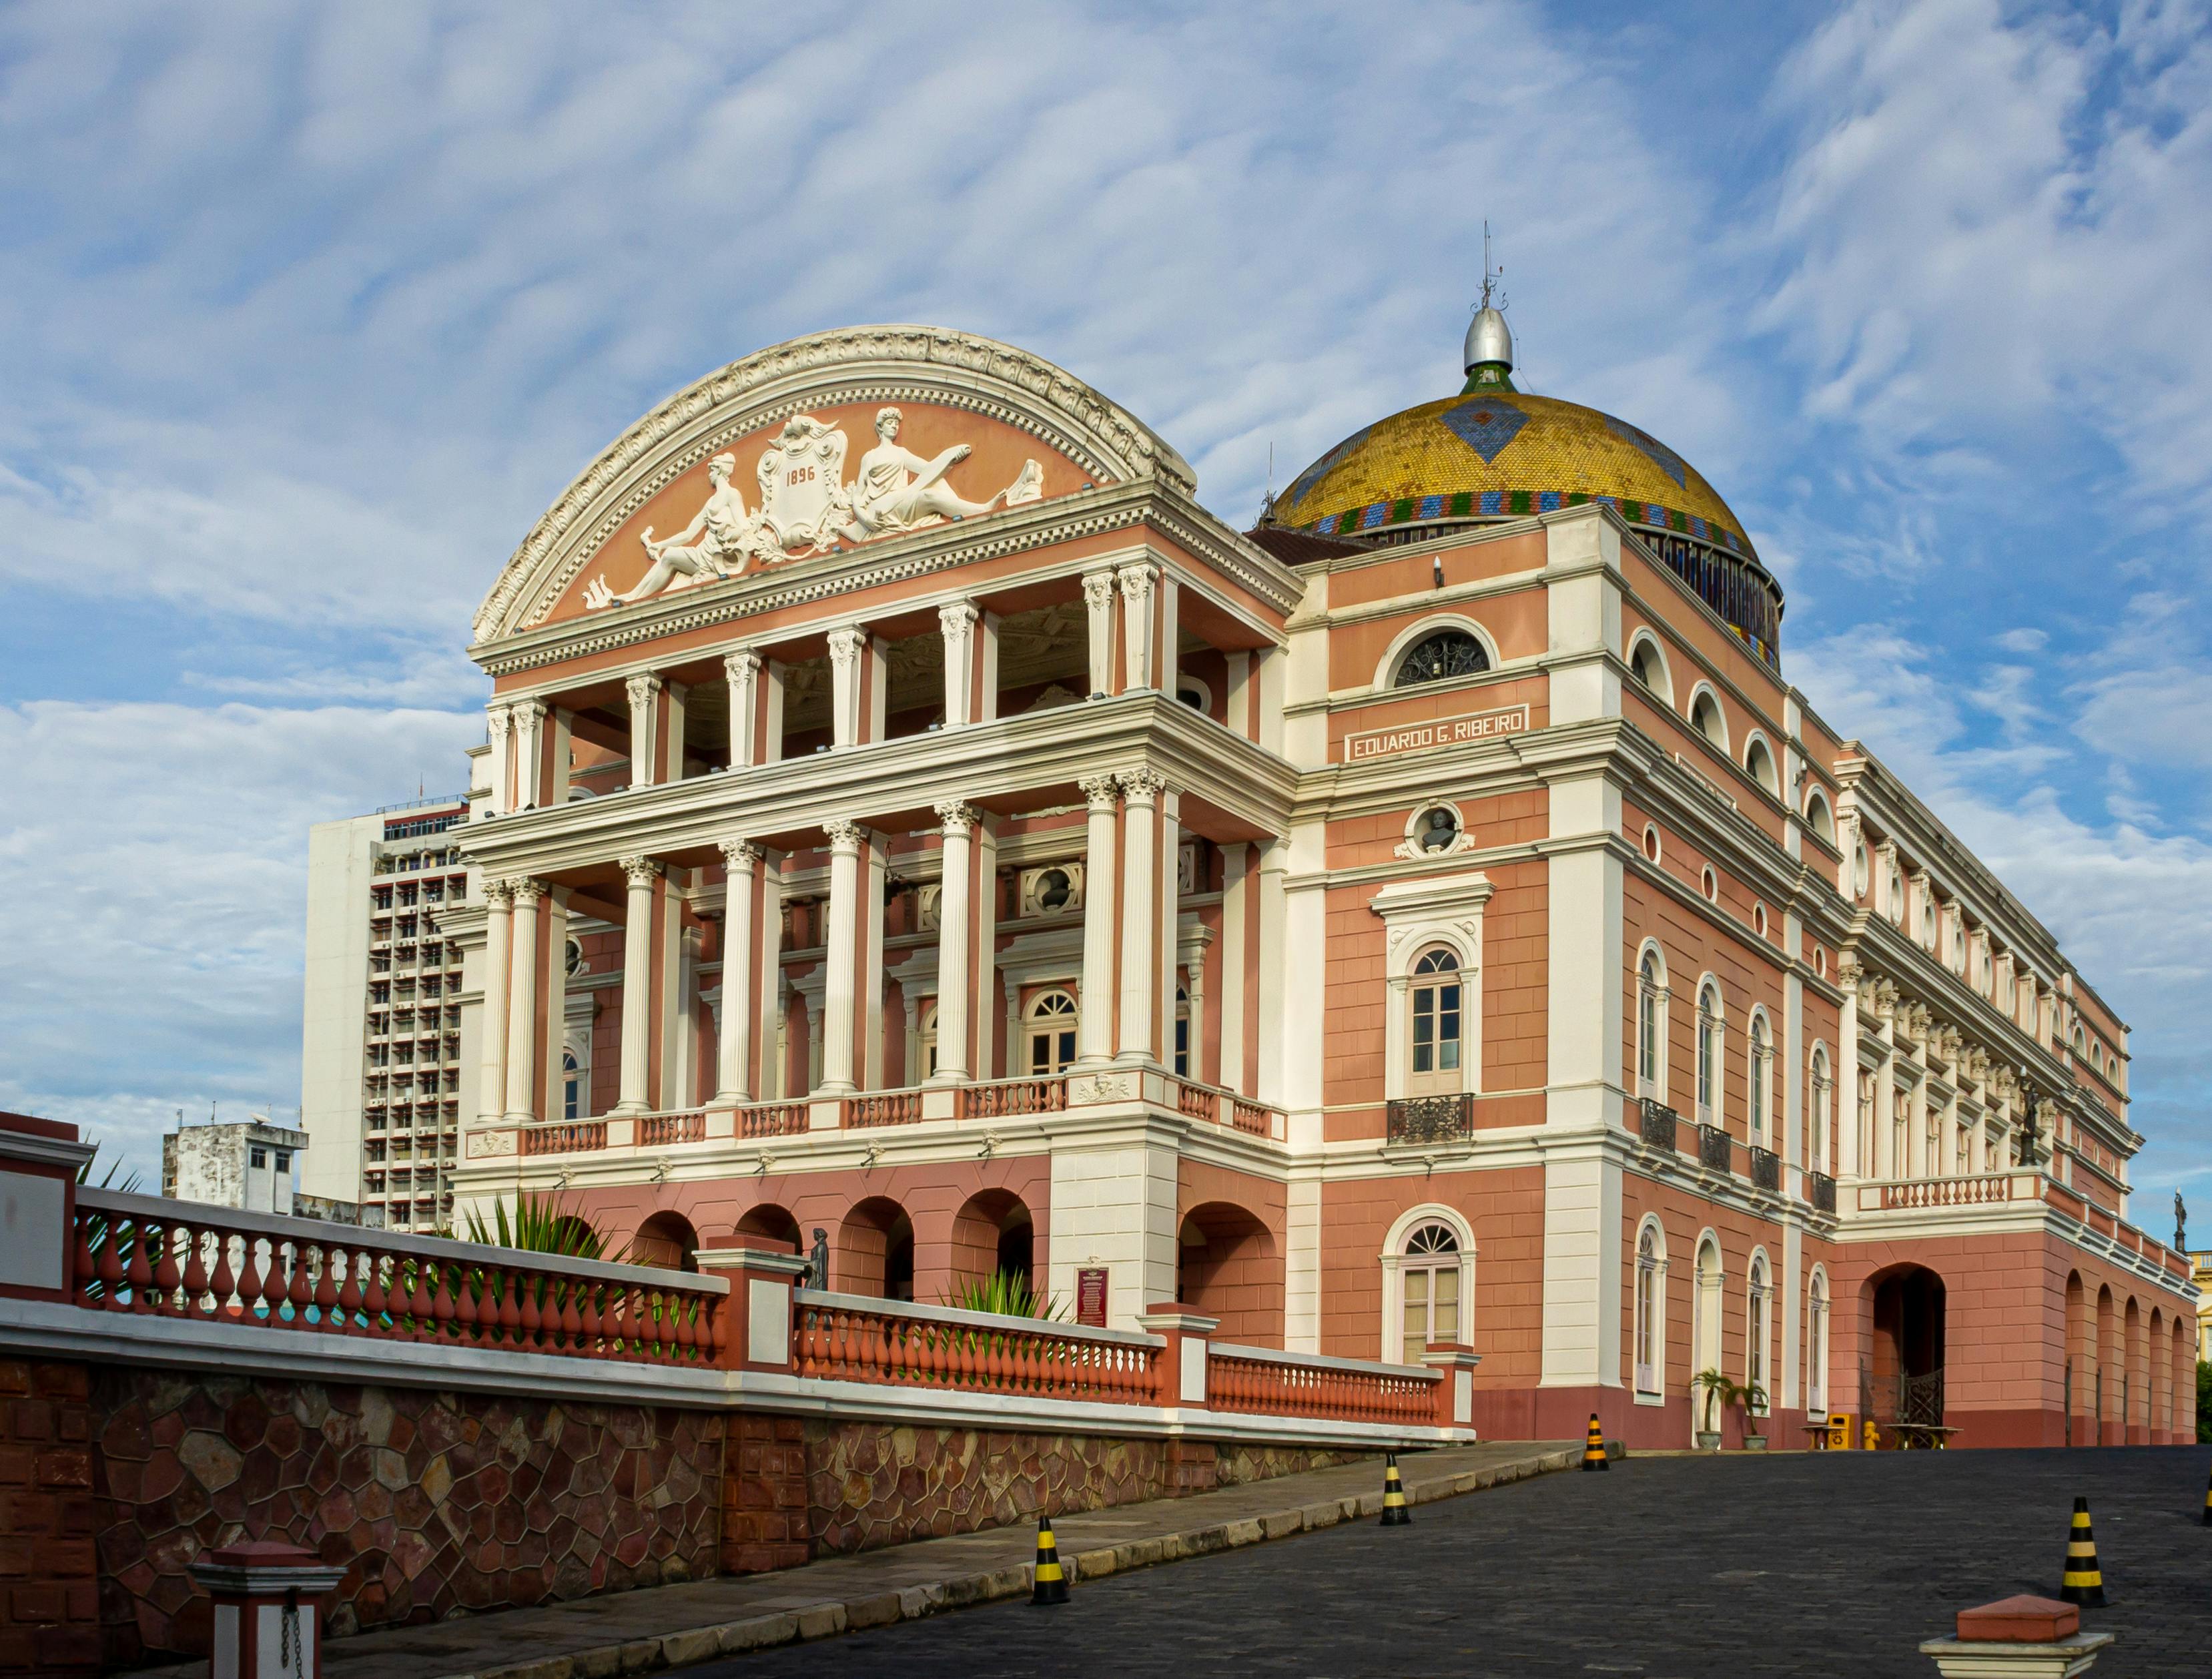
(1137, 581)
(958, 618)
(740, 855)
(741, 667)
(1097, 589)
(640, 690)
(845, 836)
(847, 644)
(955, 816)
(1101, 791)
(527, 892)
(1142, 786)
(498, 894)
(639, 871)
(498, 721)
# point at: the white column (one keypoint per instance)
(952, 938)
(552, 1035)
(868, 989)
(1167, 615)
(772, 680)
(529, 752)
(641, 872)
(1274, 940)
(1234, 898)
(1096, 1023)
(957, 623)
(847, 646)
(643, 691)
(986, 983)
(522, 1000)
(742, 863)
(491, 1090)
(1137, 601)
(1236, 703)
(499, 730)
(770, 1002)
(560, 763)
(1885, 1163)
(1098, 607)
(842, 957)
(1141, 793)
(1171, 902)
(742, 671)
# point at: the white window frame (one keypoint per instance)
(1756, 741)
(1386, 672)
(1708, 1320)
(1652, 1038)
(1820, 1093)
(1708, 1082)
(1418, 915)
(1663, 689)
(1759, 1329)
(1648, 1312)
(1759, 1078)
(1720, 711)
(1393, 1258)
(1818, 1304)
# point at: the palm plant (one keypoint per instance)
(1719, 1389)
(541, 1224)
(1005, 1293)
(98, 1231)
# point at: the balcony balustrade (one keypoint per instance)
(1766, 1169)
(1428, 1119)
(1657, 1123)
(1823, 1191)
(1715, 1152)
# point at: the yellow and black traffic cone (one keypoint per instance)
(1594, 1456)
(2085, 1581)
(1395, 1513)
(1051, 1579)
(2207, 1502)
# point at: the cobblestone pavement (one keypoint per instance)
(1667, 1568)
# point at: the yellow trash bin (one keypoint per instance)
(1839, 1431)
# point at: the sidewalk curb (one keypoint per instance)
(827, 1619)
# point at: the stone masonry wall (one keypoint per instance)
(438, 1502)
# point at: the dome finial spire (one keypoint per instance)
(1488, 359)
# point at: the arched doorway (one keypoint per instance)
(875, 1251)
(1707, 1416)
(666, 1239)
(769, 1223)
(993, 1233)
(1227, 1265)
(1904, 1376)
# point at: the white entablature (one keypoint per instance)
(852, 365)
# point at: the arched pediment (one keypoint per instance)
(782, 454)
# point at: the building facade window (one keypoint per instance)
(1710, 1027)
(1756, 1316)
(1051, 1027)
(1755, 1071)
(1651, 1322)
(1816, 1347)
(572, 1095)
(1434, 1063)
(1183, 1032)
(925, 1041)
(1429, 1296)
(1817, 1095)
(1651, 1026)
(1437, 658)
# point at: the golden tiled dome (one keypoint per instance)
(1499, 453)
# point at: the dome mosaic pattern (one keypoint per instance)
(1499, 454)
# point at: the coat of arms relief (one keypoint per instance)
(807, 506)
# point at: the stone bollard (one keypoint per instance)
(269, 1602)
(2032, 1638)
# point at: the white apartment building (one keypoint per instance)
(382, 1042)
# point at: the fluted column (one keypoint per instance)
(733, 1081)
(499, 731)
(499, 908)
(847, 648)
(841, 957)
(640, 874)
(643, 692)
(1095, 1023)
(1141, 980)
(522, 1002)
(953, 933)
(1138, 602)
(1098, 607)
(957, 623)
(742, 671)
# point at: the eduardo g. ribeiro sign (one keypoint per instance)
(1435, 733)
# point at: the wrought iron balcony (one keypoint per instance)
(1656, 1122)
(1714, 1149)
(1823, 1192)
(1765, 1169)
(1430, 1118)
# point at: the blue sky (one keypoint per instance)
(306, 313)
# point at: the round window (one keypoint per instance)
(1437, 828)
(1713, 886)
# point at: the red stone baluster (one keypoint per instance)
(136, 1272)
(346, 1320)
(441, 1303)
(572, 1319)
(167, 1279)
(302, 1291)
(420, 1306)
(326, 1288)
(588, 1320)
(276, 1285)
(375, 1302)
(195, 1278)
(510, 1307)
(249, 1277)
(528, 1284)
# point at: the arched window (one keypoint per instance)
(1761, 762)
(1711, 1025)
(1816, 1110)
(1051, 1026)
(572, 1087)
(1651, 1027)
(1897, 896)
(1448, 653)
(1756, 1079)
(1706, 718)
(1650, 1311)
(1435, 1063)
(1708, 1280)
(925, 1041)
(1816, 1347)
(1756, 1315)
(1822, 818)
(1429, 1276)
(1183, 1032)
(1646, 664)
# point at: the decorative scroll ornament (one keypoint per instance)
(807, 507)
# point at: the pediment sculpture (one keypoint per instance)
(808, 508)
